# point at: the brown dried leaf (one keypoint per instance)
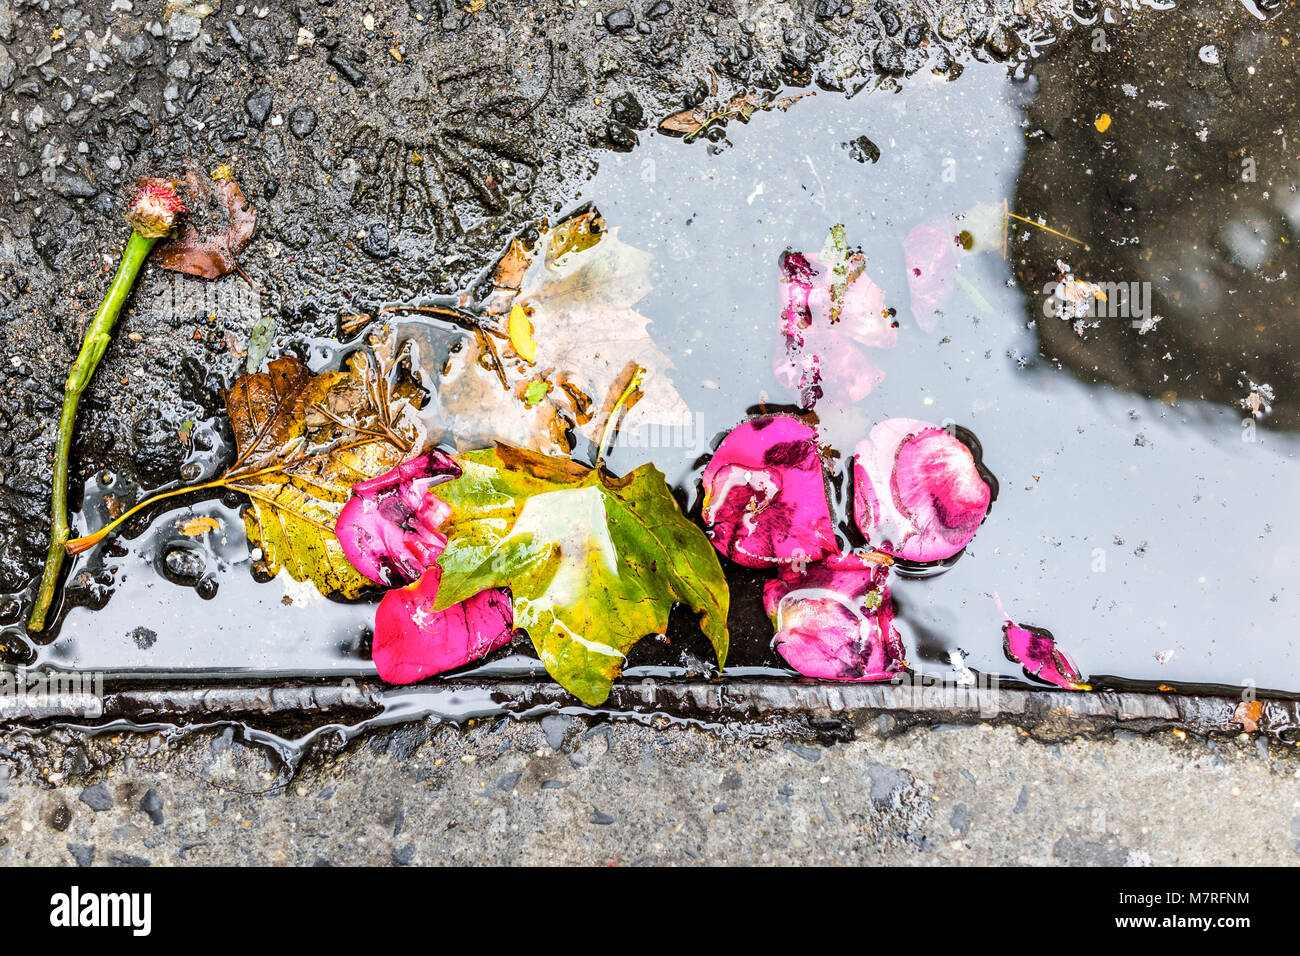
(219, 223)
(683, 123)
(785, 102)
(509, 274)
(302, 441)
(1247, 714)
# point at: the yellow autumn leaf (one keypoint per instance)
(198, 526)
(521, 334)
(301, 442)
(1102, 122)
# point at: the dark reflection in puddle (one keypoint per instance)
(1151, 530)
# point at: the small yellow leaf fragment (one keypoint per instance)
(1102, 122)
(521, 334)
(198, 526)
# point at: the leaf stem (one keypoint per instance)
(88, 541)
(1055, 232)
(93, 347)
(616, 414)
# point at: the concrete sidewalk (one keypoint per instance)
(565, 791)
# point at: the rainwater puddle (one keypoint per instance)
(1152, 531)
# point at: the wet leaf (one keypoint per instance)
(216, 230)
(521, 334)
(195, 527)
(259, 341)
(765, 502)
(917, 492)
(302, 441)
(594, 563)
(535, 392)
(479, 409)
(1247, 714)
(835, 620)
(573, 327)
(1035, 648)
(785, 102)
(512, 266)
(684, 123)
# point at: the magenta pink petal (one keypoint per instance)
(930, 251)
(917, 493)
(824, 356)
(830, 624)
(389, 527)
(796, 279)
(765, 495)
(413, 641)
(1035, 648)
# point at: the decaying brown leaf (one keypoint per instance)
(683, 123)
(219, 223)
(302, 441)
(690, 123)
(1247, 714)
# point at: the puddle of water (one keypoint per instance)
(1150, 538)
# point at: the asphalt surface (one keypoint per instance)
(321, 108)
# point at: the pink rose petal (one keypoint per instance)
(765, 495)
(825, 339)
(1035, 648)
(830, 624)
(931, 254)
(389, 527)
(413, 641)
(917, 493)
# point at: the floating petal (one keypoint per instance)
(1035, 648)
(835, 621)
(765, 495)
(413, 641)
(917, 493)
(389, 527)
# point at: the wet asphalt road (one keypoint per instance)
(320, 107)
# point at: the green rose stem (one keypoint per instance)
(152, 216)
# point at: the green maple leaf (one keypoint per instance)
(594, 563)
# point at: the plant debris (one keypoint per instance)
(219, 226)
(594, 563)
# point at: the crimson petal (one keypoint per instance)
(413, 641)
(389, 527)
(1035, 649)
